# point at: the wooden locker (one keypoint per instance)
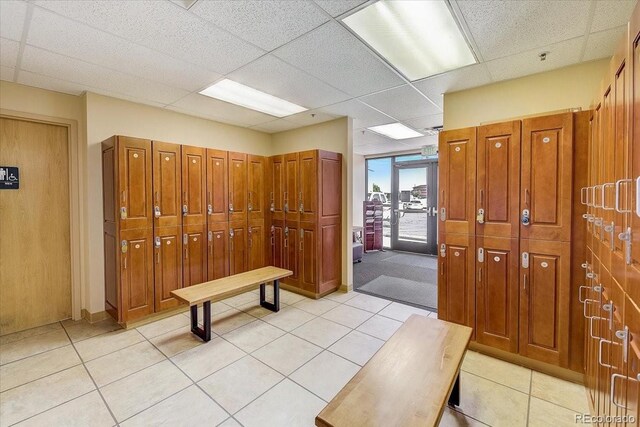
(217, 185)
(631, 384)
(277, 244)
(457, 181)
(238, 239)
(276, 187)
(498, 180)
(456, 279)
(291, 182)
(308, 257)
(307, 197)
(329, 250)
(134, 182)
(256, 250)
(497, 289)
(329, 220)
(136, 273)
(194, 259)
(604, 203)
(218, 250)
(292, 253)
(633, 268)
(167, 265)
(256, 178)
(237, 187)
(194, 184)
(544, 301)
(167, 184)
(617, 358)
(546, 177)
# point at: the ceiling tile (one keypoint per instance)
(267, 24)
(425, 121)
(274, 76)
(379, 148)
(210, 108)
(275, 126)
(7, 73)
(53, 65)
(402, 103)
(522, 64)
(335, 56)
(603, 44)
(338, 7)
(362, 114)
(9, 52)
(307, 118)
(12, 14)
(50, 83)
(610, 14)
(418, 143)
(165, 27)
(462, 78)
(503, 27)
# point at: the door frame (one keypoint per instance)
(77, 234)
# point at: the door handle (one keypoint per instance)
(617, 199)
(613, 390)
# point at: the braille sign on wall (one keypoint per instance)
(9, 178)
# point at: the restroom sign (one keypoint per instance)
(9, 178)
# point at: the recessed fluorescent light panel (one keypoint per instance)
(245, 96)
(395, 131)
(419, 38)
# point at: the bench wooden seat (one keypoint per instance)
(226, 287)
(407, 382)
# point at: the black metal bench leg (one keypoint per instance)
(205, 331)
(454, 397)
(275, 305)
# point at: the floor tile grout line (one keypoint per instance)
(459, 411)
(44, 376)
(496, 382)
(529, 396)
(37, 354)
(2, 344)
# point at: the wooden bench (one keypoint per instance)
(407, 382)
(226, 287)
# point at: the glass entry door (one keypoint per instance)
(414, 207)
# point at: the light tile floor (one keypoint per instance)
(259, 369)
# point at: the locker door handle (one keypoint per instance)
(617, 202)
(638, 196)
(600, 362)
(595, 203)
(591, 319)
(604, 198)
(584, 308)
(583, 196)
(524, 281)
(480, 275)
(613, 389)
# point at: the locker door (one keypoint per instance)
(308, 247)
(194, 185)
(194, 243)
(544, 301)
(604, 205)
(237, 247)
(456, 279)
(546, 177)
(167, 184)
(237, 187)
(256, 243)
(632, 384)
(136, 273)
(217, 186)
(218, 250)
(457, 181)
(291, 182)
(134, 183)
(497, 292)
(277, 188)
(498, 164)
(256, 178)
(633, 269)
(307, 197)
(167, 265)
(291, 253)
(617, 357)
(277, 244)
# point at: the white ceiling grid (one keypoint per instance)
(162, 53)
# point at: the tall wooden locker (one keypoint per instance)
(276, 183)
(457, 181)
(134, 183)
(456, 279)
(497, 292)
(308, 185)
(633, 267)
(292, 253)
(194, 184)
(544, 300)
(256, 180)
(167, 184)
(604, 203)
(308, 257)
(498, 180)
(237, 187)
(167, 265)
(194, 248)
(238, 240)
(631, 383)
(136, 273)
(256, 245)
(276, 256)
(218, 250)
(291, 184)
(546, 177)
(328, 208)
(217, 186)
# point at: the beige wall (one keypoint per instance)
(359, 171)
(568, 87)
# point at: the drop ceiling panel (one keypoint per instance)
(402, 103)
(204, 106)
(276, 126)
(12, 14)
(6, 73)
(425, 121)
(382, 148)
(502, 28)
(165, 27)
(307, 118)
(338, 7)
(610, 14)
(362, 114)
(267, 24)
(274, 76)
(418, 143)
(522, 64)
(462, 78)
(602, 44)
(109, 81)
(335, 56)
(50, 83)
(9, 52)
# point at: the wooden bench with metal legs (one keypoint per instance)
(220, 289)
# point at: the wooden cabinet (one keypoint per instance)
(307, 198)
(256, 174)
(308, 258)
(544, 300)
(238, 195)
(136, 273)
(194, 260)
(457, 181)
(291, 185)
(167, 265)
(276, 256)
(238, 235)
(497, 292)
(498, 180)
(133, 181)
(167, 184)
(256, 248)
(218, 250)
(276, 183)
(292, 253)
(632, 285)
(456, 279)
(546, 177)
(217, 186)
(194, 185)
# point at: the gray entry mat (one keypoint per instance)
(420, 293)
